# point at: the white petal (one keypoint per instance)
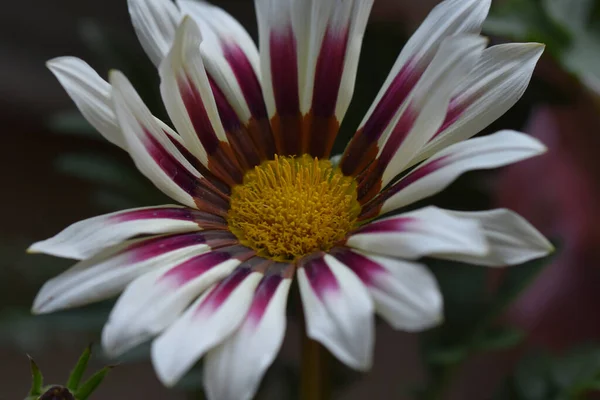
(155, 22)
(107, 273)
(424, 232)
(234, 369)
(338, 310)
(203, 326)
(154, 301)
(91, 95)
(149, 146)
(492, 88)
(429, 102)
(87, 238)
(406, 294)
(450, 17)
(435, 174)
(512, 239)
(187, 94)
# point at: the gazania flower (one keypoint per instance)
(260, 200)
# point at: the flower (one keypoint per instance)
(260, 199)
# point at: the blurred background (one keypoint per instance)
(529, 332)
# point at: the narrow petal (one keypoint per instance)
(424, 112)
(109, 272)
(492, 88)
(406, 294)
(338, 310)
(91, 95)
(232, 64)
(420, 233)
(434, 175)
(155, 300)
(155, 22)
(309, 56)
(191, 105)
(450, 17)
(207, 323)
(89, 237)
(511, 238)
(234, 369)
(156, 154)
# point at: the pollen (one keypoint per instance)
(292, 206)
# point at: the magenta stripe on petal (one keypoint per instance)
(328, 73)
(320, 276)
(198, 115)
(398, 135)
(223, 290)
(455, 110)
(390, 102)
(398, 224)
(284, 72)
(154, 247)
(170, 166)
(417, 174)
(365, 268)
(246, 78)
(183, 273)
(177, 213)
(262, 297)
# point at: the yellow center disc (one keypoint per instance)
(292, 206)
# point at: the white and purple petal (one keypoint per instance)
(154, 301)
(424, 232)
(423, 114)
(406, 294)
(109, 272)
(206, 324)
(435, 174)
(89, 237)
(191, 105)
(338, 309)
(449, 18)
(492, 88)
(233, 370)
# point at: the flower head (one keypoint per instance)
(260, 201)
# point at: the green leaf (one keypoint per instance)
(446, 355)
(581, 365)
(37, 379)
(89, 386)
(72, 123)
(532, 377)
(77, 373)
(499, 339)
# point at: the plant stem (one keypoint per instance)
(314, 371)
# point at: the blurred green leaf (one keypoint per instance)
(502, 338)
(532, 377)
(72, 123)
(446, 355)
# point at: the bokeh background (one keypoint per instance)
(529, 332)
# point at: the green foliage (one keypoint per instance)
(72, 389)
(541, 376)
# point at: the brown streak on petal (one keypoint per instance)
(322, 133)
(260, 132)
(240, 252)
(258, 264)
(361, 151)
(223, 163)
(288, 134)
(370, 182)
